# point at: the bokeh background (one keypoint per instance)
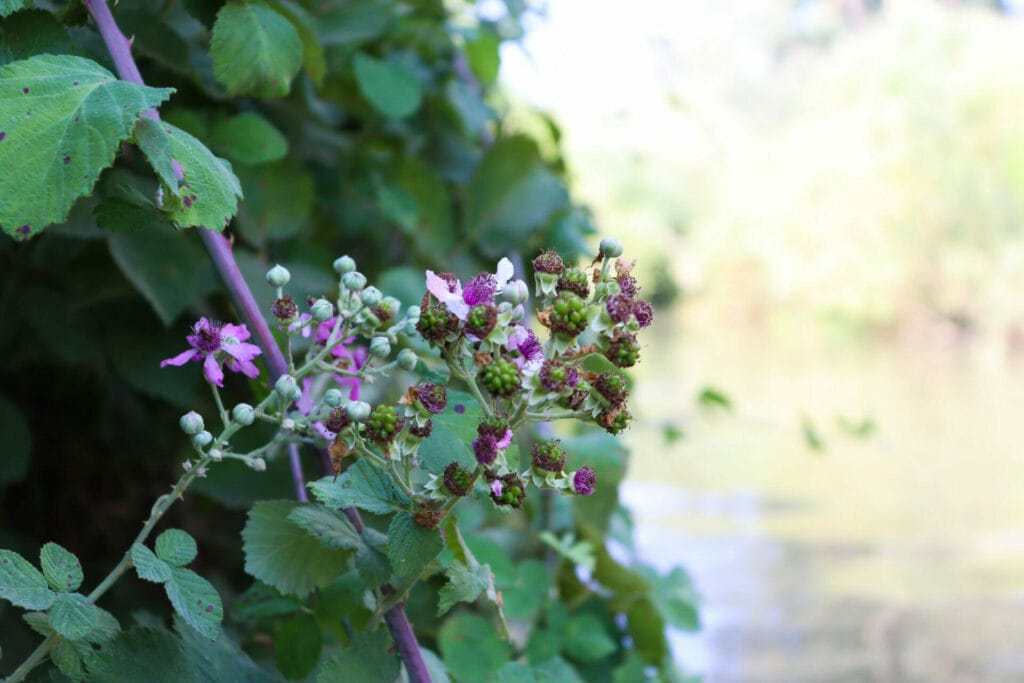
(829, 199)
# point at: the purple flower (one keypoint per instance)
(526, 350)
(619, 307)
(214, 343)
(480, 290)
(644, 312)
(583, 481)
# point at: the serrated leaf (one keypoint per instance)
(11, 6)
(297, 645)
(214, 661)
(312, 53)
(176, 547)
(248, 138)
(62, 120)
(141, 654)
(410, 546)
(196, 600)
(255, 50)
(38, 622)
(261, 600)
(105, 628)
(363, 485)
(327, 526)
(35, 32)
(23, 584)
(675, 597)
(471, 648)
(17, 442)
(169, 270)
(200, 188)
(464, 585)
(67, 656)
(61, 568)
(148, 566)
(525, 595)
(515, 672)
(367, 659)
(435, 667)
(372, 561)
(72, 615)
(280, 553)
(120, 215)
(391, 87)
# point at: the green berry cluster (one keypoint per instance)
(501, 377)
(510, 492)
(574, 280)
(383, 424)
(436, 322)
(624, 352)
(548, 456)
(482, 320)
(568, 314)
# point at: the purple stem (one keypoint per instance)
(220, 252)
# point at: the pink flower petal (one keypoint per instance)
(305, 402)
(242, 351)
(505, 441)
(212, 371)
(181, 358)
(504, 273)
(438, 286)
(239, 332)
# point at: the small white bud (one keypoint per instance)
(344, 264)
(380, 347)
(371, 297)
(321, 310)
(611, 247)
(333, 398)
(407, 359)
(278, 276)
(354, 280)
(191, 422)
(358, 411)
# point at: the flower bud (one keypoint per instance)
(297, 394)
(216, 454)
(407, 359)
(413, 314)
(358, 411)
(354, 280)
(333, 398)
(285, 386)
(203, 438)
(244, 414)
(258, 464)
(611, 247)
(371, 296)
(322, 310)
(344, 264)
(191, 422)
(380, 347)
(516, 292)
(278, 276)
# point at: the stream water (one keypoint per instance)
(896, 556)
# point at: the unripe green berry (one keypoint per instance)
(244, 414)
(371, 296)
(501, 377)
(407, 359)
(191, 423)
(322, 310)
(611, 247)
(333, 398)
(344, 264)
(278, 276)
(285, 387)
(354, 280)
(568, 314)
(358, 411)
(380, 347)
(383, 424)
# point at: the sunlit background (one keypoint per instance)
(828, 197)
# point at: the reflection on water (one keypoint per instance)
(896, 557)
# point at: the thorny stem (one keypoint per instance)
(220, 252)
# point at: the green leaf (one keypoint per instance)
(675, 597)
(248, 138)
(586, 639)
(355, 21)
(11, 6)
(410, 546)
(280, 553)
(511, 195)
(214, 661)
(372, 560)
(297, 645)
(176, 547)
(106, 627)
(452, 433)
(196, 600)
(72, 615)
(484, 57)
(515, 672)
(580, 553)
(63, 120)
(255, 50)
(62, 569)
(557, 670)
(141, 654)
(329, 527)
(35, 32)
(38, 622)
(169, 270)
(17, 442)
(525, 595)
(391, 87)
(435, 667)
(312, 53)
(464, 585)
(22, 584)
(261, 600)
(280, 200)
(344, 599)
(471, 647)
(207, 193)
(121, 215)
(67, 656)
(709, 397)
(647, 629)
(367, 659)
(363, 485)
